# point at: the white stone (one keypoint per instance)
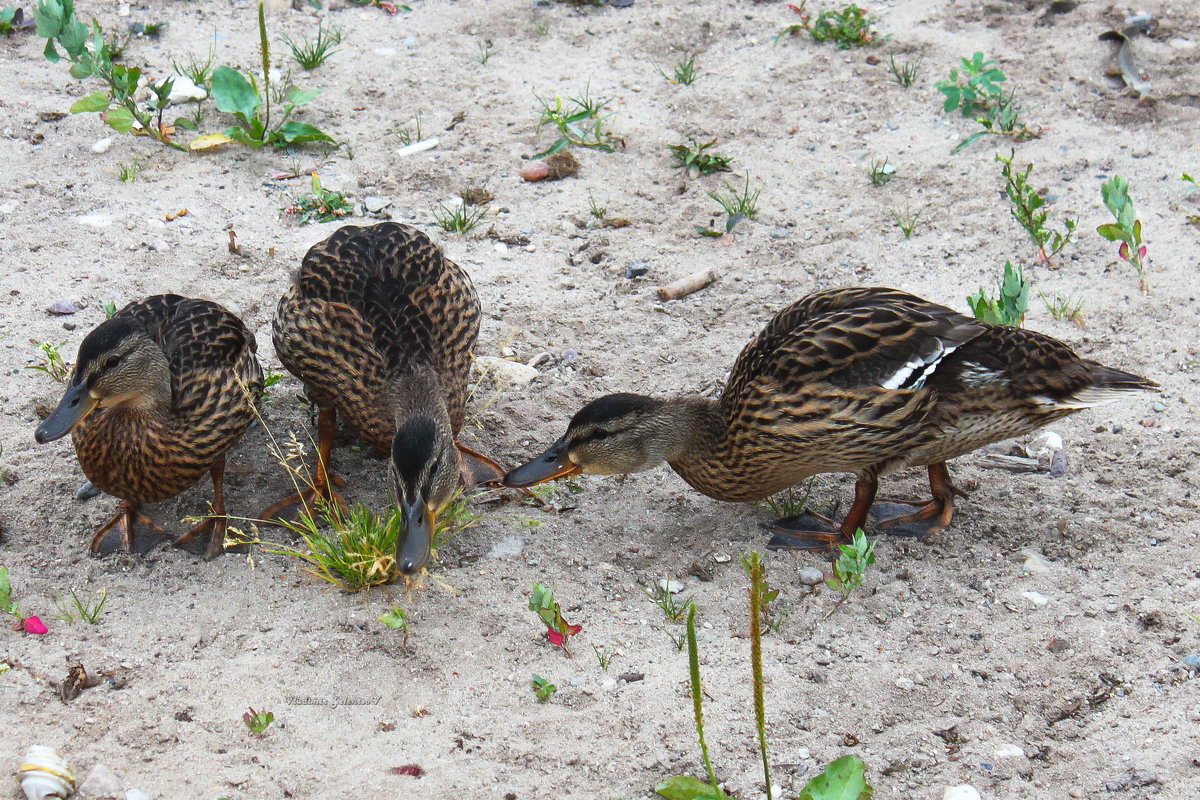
(100, 781)
(811, 576)
(670, 585)
(1049, 440)
(95, 220)
(102, 145)
(136, 794)
(962, 792)
(1034, 563)
(1010, 751)
(375, 204)
(183, 89)
(1037, 598)
(508, 546)
(506, 374)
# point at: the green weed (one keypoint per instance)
(975, 91)
(695, 158)
(598, 211)
(88, 609)
(580, 121)
(486, 51)
(543, 688)
(258, 721)
(127, 172)
(847, 27)
(683, 73)
(407, 135)
(604, 657)
(1064, 308)
(1011, 302)
(906, 222)
(852, 562)
(1128, 228)
(1026, 209)
(906, 73)
(739, 203)
(197, 71)
(50, 361)
(320, 205)
(460, 219)
(312, 54)
(881, 172)
(660, 593)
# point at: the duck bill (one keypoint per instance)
(74, 406)
(416, 541)
(554, 463)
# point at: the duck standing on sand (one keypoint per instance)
(860, 380)
(159, 393)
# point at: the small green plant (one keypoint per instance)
(603, 656)
(312, 54)
(906, 222)
(1128, 228)
(542, 603)
(7, 604)
(321, 205)
(1011, 302)
(452, 520)
(540, 25)
(408, 135)
(1064, 308)
(197, 71)
(762, 594)
(89, 609)
(847, 27)
(906, 73)
(258, 721)
(128, 171)
(975, 91)
(486, 51)
(695, 158)
(1027, 210)
(598, 211)
(881, 172)
(844, 779)
(580, 121)
(743, 203)
(543, 688)
(270, 378)
(50, 361)
(660, 593)
(790, 503)
(684, 73)
(91, 56)
(1192, 188)
(109, 308)
(852, 562)
(353, 550)
(460, 219)
(677, 639)
(397, 620)
(238, 95)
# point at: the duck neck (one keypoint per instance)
(691, 428)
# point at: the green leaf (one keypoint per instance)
(119, 119)
(96, 101)
(234, 94)
(295, 132)
(685, 787)
(297, 97)
(844, 779)
(1112, 232)
(242, 136)
(967, 141)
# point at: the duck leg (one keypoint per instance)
(322, 477)
(477, 469)
(930, 516)
(126, 517)
(217, 523)
(787, 535)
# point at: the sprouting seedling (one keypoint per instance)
(742, 203)
(558, 630)
(397, 620)
(598, 211)
(321, 205)
(906, 73)
(684, 73)
(880, 172)
(846, 27)
(197, 71)
(977, 93)
(543, 688)
(1128, 228)
(408, 134)
(89, 609)
(1064, 308)
(1192, 188)
(1026, 209)
(258, 721)
(695, 158)
(848, 570)
(580, 121)
(486, 51)
(128, 171)
(110, 309)
(460, 219)
(789, 502)
(603, 656)
(1011, 302)
(50, 361)
(906, 222)
(660, 593)
(311, 54)
(7, 604)
(271, 377)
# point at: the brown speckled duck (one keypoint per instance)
(159, 393)
(379, 325)
(860, 380)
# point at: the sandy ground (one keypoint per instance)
(1034, 651)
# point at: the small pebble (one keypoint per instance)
(1192, 661)
(159, 245)
(1058, 645)
(102, 145)
(823, 658)
(670, 585)
(375, 204)
(1118, 428)
(1037, 598)
(569, 355)
(1058, 464)
(963, 792)
(1159, 405)
(69, 326)
(86, 492)
(62, 307)
(906, 684)
(100, 781)
(136, 794)
(811, 576)
(636, 269)
(721, 558)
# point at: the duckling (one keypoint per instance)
(158, 394)
(858, 380)
(380, 326)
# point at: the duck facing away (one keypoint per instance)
(859, 380)
(158, 394)
(380, 326)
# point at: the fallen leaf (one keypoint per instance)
(414, 770)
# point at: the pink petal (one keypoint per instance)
(34, 625)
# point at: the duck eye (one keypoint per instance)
(112, 362)
(601, 434)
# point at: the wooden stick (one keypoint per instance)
(686, 285)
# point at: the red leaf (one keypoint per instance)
(408, 769)
(34, 625)
(1123, 250)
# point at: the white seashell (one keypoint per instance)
(45, 774)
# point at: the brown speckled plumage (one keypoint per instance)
(370, 308)
(179, 418)
(862, 380)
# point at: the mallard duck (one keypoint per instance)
(380, 326)
(861, 380)
(158, 394)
